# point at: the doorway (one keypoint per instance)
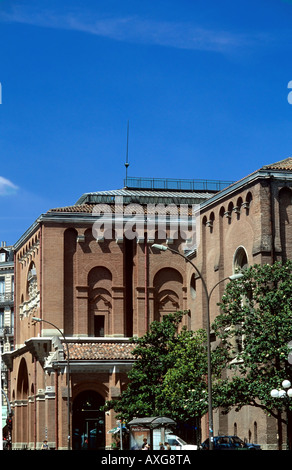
(88, 422)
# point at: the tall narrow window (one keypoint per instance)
(1, 317)
(240, 263)
(2, 289)
(98, 325)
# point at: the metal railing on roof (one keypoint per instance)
(133, 182)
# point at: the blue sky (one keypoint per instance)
(203, 84)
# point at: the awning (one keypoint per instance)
(152, 422)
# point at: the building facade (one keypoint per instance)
(6, 322)
(6, 296)
(245, 224)
(89, 273)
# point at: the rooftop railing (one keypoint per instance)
(133, 182)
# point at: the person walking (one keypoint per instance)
(45, 445)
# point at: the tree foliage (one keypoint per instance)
(255, 329)
(168, 377)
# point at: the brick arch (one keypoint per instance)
(240, 259)
(100, 317)
(88, 421)
(31, 275)
(90, 384)
(22, 392)
(107, 263)
(22, 381)
(98, 274)
(174, 262)
(168, 292)
(285, 216)
(222, 211)
(247, 202)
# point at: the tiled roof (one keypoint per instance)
(118, 209)
(82, 208)
(285, 164)
(101, 351)
(119, 198)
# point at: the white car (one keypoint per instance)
(177, 443)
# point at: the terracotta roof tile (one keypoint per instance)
(285, 164)
(82, 208)
(101, 351)
(88, 209)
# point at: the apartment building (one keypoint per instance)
(6, 318)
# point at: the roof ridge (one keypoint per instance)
(285, 164)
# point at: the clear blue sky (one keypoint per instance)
(203, 83)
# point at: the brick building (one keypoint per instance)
(245, 224)
(99, 285)
(95, 289)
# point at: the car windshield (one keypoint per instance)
(182, 442)
(236, 440)
(174, 441)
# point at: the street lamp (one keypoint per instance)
(285, 393)
(208, 296)
(36, 319)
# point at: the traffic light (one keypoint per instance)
(9, 424)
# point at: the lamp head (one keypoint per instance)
(275, 393)
(286, 384)
(233, 277)
(160, 247)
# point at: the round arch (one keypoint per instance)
(240, 259)
(22, 381)
(168, 284)
(88, 422)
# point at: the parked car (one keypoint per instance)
(229, 443)
(177, 443)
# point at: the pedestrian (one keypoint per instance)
(45, 445)
(161, 446)
(167, 446)
(144, 443)
(146, 447)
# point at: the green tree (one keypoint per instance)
(185, 383)
(255, 329)
(168, 377)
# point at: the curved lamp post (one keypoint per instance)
(36, 319)
(208, 296)
(285, 393)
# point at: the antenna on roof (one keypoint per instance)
(127, 163)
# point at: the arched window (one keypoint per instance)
(100, 302)
(240, 260)
(168, 285)
(193, 287)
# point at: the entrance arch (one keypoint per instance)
(88, 422)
